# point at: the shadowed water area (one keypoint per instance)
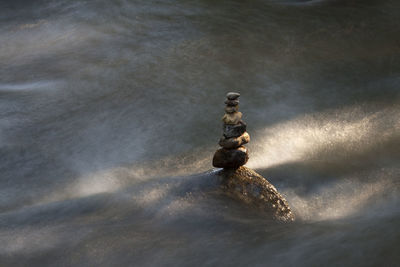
(110, 114)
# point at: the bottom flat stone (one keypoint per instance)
(230, 158)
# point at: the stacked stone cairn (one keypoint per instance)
(238, 181)
(233, 154)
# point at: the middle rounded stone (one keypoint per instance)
(234, 142)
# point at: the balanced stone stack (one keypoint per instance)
(233, 154)
(238, 181)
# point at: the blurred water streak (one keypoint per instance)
(110, 113)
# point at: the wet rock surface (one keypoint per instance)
(248, 186)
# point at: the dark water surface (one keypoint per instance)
(110, 113)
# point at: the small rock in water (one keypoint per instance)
(231, 109)
(233, 118)
(230, 158)
(234, 130)
(232, 96)
(234, 142)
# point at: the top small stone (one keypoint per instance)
(232, 96)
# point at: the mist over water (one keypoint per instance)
(110, 115)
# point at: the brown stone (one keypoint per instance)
(234, 130)
(234, 142)
(230, 158)
(232, 96)
(233, 118)
(231, 109)
(232, 102)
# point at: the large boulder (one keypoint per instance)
(250, 187)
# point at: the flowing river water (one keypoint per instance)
(110, 114)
